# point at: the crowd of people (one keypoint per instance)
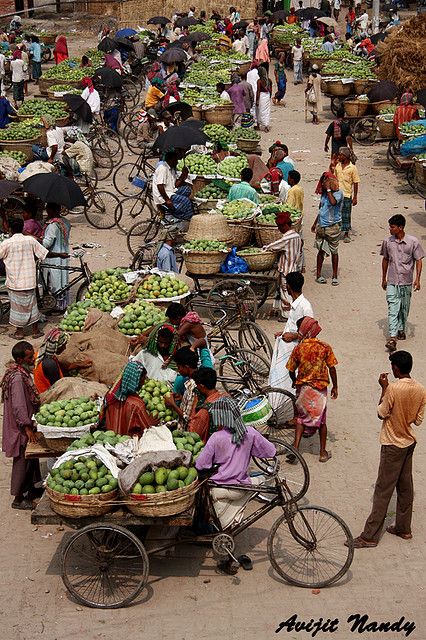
(179, 346)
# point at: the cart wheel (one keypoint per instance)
(392, 155)
(283, 410)
(47, 303)
(291, 467)
(104, 566)
(252, 337)
(417, 186)
(223, 295)
(307, 548)
(365, 131)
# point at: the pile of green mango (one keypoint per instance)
(246, 134)
(76, 412)
(97, 437)
(188, 441)
(232, 166)
(153, 393)
(205, 245)
(238, 209)
(19, 156)
(67, 71)
(199, 164)
(139, 316)
(37, 107)
(85, 475)
(211, 192)
(65, 88)
(19, 131)
(162, 480)
(217, 133)
(108, 286)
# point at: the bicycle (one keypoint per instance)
(106, 148)
(47, 300)
(101, 204)
(146, 256)
(307, 546)
(124, 175)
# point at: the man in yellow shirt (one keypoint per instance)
(401, 405)
(154, 95)
(348, 177)
(295, 194)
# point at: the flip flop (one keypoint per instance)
(325, 458)
(391, 344)
(360, 543)
(245, 562)
(321, 280)
(335, 282)
(394, 532)
(24, 505)
(291, 458)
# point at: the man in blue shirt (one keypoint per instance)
(35, 51)
(166, 259)
(327, 225)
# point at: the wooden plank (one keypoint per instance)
(39, 450)
(43, 514)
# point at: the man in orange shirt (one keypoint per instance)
(402, 404)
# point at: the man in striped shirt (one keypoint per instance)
(289, 247)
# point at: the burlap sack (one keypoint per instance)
(96, 319)
(70, 387)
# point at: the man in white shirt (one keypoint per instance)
(239, 46)
(170, 191)
(191, 12)
(362, 23)
(55, 142)
(297, 52)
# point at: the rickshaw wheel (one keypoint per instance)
(365, 131)
(104, 566)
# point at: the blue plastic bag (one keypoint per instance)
(233, 263)
(413, 146)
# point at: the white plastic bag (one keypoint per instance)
(98, 451)
(153, 365)
(156, 439)
(278, 374)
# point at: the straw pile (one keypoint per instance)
(402, 55)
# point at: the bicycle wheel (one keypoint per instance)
(224, 295)
(365, 131)
(243, 369)
(104, 566)
(104, 163)
(283, 411)
(141, 233)
(123, 176)
(252, 337)
(81, 291)
(294, 472)
(308, 549)
(101, 212)
(134, 209)
(110, 141)
(418, 187)
(145, 256)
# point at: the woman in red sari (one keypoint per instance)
(60, 51)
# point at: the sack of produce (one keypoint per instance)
(83, 483)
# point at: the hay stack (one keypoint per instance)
(402, 55)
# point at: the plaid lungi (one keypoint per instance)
(346, 211)
(182, 204)
(23, 308)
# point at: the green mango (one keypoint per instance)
(161, 475)
(172, 483)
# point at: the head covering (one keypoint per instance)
(326, 174)
(225, 413)
(314, 67)
(283, 218)
(128, 382)
(111, 62)
(53, 340)
(345, 151)
(87, 82)
(255, 64)
(406, 98)
(309, 327)
(152, 345)
(17, 54)
(157, 82)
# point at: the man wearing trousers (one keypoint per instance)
(402, 404)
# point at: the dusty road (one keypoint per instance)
(186, 598)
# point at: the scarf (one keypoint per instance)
(127, 383)
(226, 413)
(87, 82)
(12, 370)
(152, 347)
(309, 328)
(337, 128)
(17, 55)
(63, 229)
(53, 341)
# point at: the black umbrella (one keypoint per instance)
(182, 137)
(310, 13)
(196, 36)
(7, 187)
(108, 77)
(175, 54)
(159, 20)
(184, 108)
(79, 106)
(124, 42)
(280, 15)
(242, 24)
(378, 37)
(187, 22)
(195, 124)
(107, 45)
(51, 187)
(383, 90)
(176, 44)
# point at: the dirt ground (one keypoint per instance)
(185, 597)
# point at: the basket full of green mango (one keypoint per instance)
(62, 421)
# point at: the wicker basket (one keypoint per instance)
(49, 38)
(324, 85)
(420, 171)
(355, 108)
(376, 106)
(221, 114)
(203, 262)
(244, 68)
(241, 231)
(320, 62)
(209, 226)
(266, 233)
(197, 112)
(22, 145)
(260, 261)
(59, 122)
(363, 86)
(199, 183)
(248, 146)
(45, 83)
(162, 504)
(58, 445)
(81, 506)
(387, 129)
(339, 88)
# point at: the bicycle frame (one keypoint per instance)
(83, 271)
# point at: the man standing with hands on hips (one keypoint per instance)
(401, 253)
(402, 404)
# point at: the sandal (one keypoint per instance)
(335, 282)
(25, 505)
(245, 562)
(394, 532)
(391, 344)
(228, 566)
(360, 543)
(37, 335)
(326, 457)
(401, 335)
(321, 280)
